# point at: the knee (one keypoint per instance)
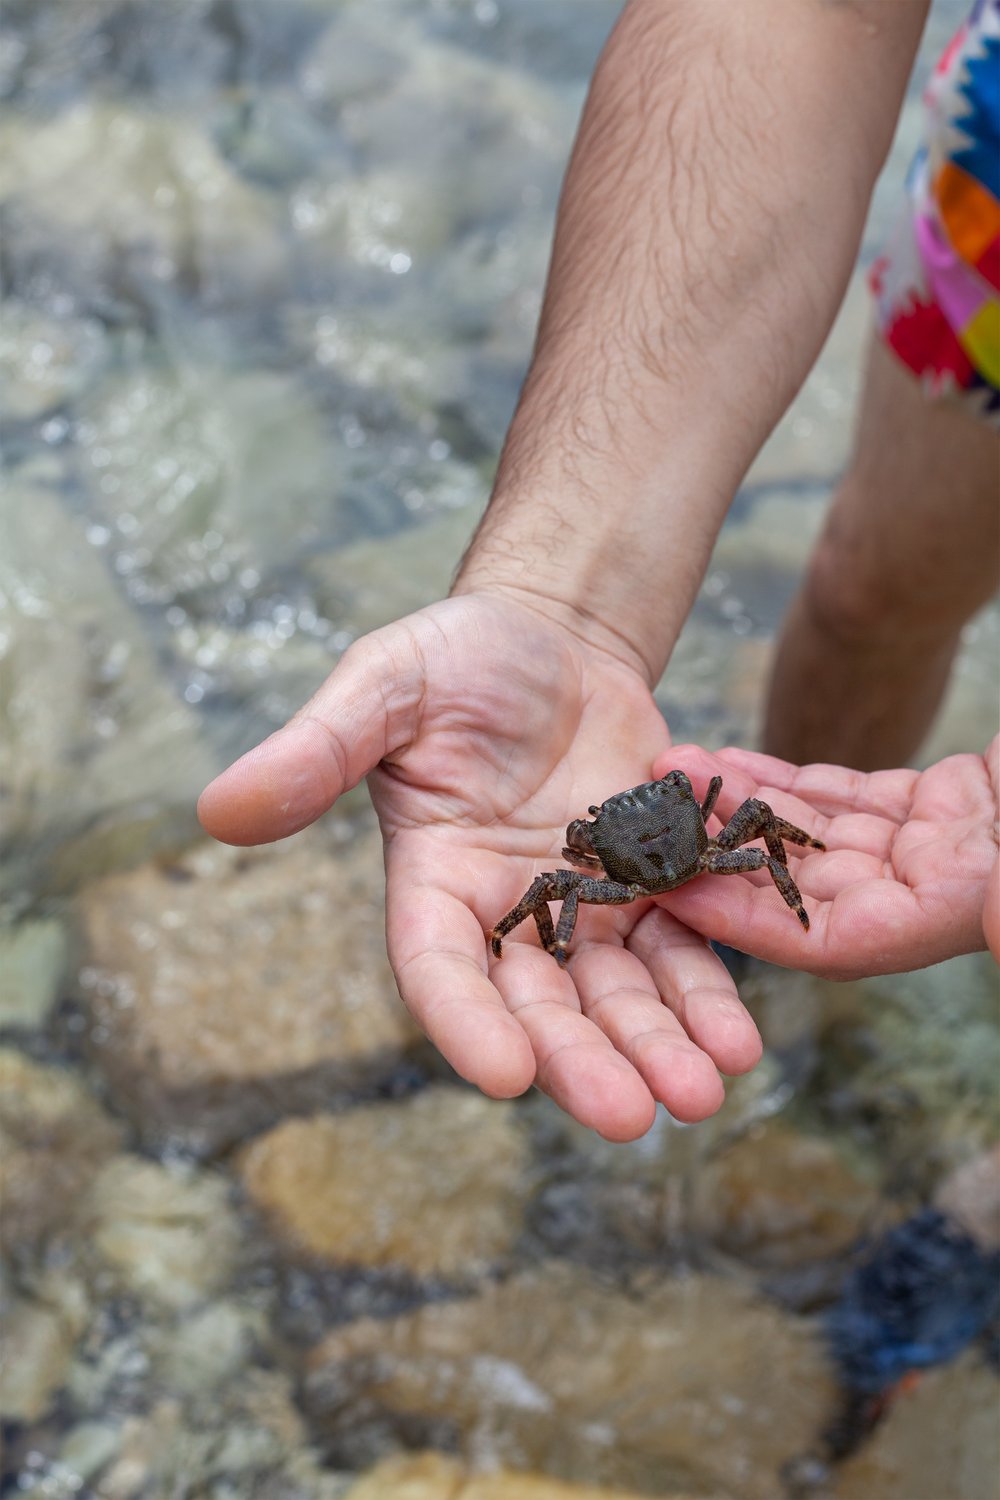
(855, 594)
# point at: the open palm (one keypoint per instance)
(904, 879)
(484, 728)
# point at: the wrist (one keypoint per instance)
(587, 627)
(592, 571)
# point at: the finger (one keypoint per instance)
(753, 919)
(576, 1063)
(618, 994)
(863, 839)
(869, 927)
(437, 949)
(698, 989)
(366, 708)
(738, 785)
(824, 876)
(829, 789)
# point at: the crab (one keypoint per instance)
(647, 840)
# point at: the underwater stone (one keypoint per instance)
(437, 1476)
(696, 1381)
(234, 984)
(53, 1138)
(168, 1232)
(432, 1185)
(33, 957)
(80, 761)
(778, 1198)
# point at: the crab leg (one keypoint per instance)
(739, 861)
(711, 796)
(754, 820)
(570, 887)
(565, 926)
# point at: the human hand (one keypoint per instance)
(910, 855)
(484, 726)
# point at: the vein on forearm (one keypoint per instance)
(698, 262)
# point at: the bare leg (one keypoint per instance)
(910, 551)
(738, 861)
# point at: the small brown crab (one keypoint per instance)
(649, 839)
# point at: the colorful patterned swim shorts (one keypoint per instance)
(937, 287)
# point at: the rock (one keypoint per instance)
(238, 984)
(33, 958)
(209, 1349)
(372, 582)
(942, 1438)
(779, 1199)
(247, 1439)
(434, 1476)
(434, 188)
(113, 201)
(78, 762)
(919, 1054)
(432, 1186)
(45, 361)
(37, 1348)
(88, 1447)
(167, 1232)
(53, 1138)
(970, 1197)
(42, 1323)
(201, 451)
(696, 1384)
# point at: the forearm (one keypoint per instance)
(708, 225)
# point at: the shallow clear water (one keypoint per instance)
(271, 270)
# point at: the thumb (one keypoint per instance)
(367, 708)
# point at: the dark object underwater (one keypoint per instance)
(926, 1292)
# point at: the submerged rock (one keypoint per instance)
(45, 361)
(696, 1384)
(195, 467)
(105, 764)
(941, 1438)
(208, 1349)
(435, 1476)
(248, 1439)
(432, 1186)
(167, 1232)
(372, 582)
(115, 202)
(33, 959)
(37, 1349)
(238, 984)
(42, 1322)
(779, 1199)
(53, 1138)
